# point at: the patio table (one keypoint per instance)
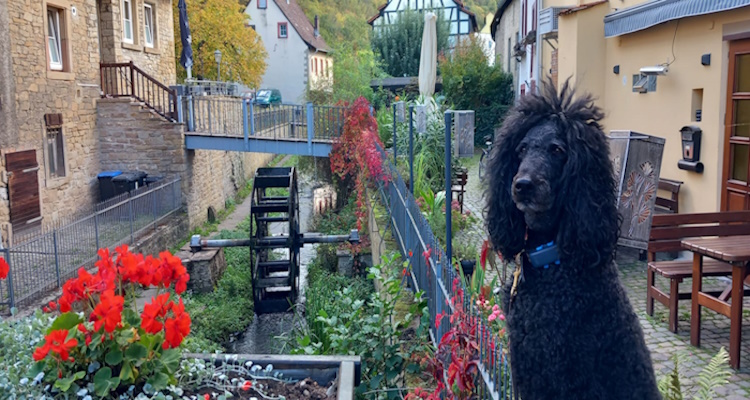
(734, 250)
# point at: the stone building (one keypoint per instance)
(55, 125)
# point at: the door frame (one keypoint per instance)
(736, 47)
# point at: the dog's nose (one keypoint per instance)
(524, 184)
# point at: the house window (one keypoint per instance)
(262, 4)
(53, 39)
(54, 146)
(148, 24)
(283, 33)
(127, 21)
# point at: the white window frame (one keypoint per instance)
(149, 27)
(127, 4)
(53, 38)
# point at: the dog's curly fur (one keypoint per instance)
(573, 333)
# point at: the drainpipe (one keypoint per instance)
(539, 52)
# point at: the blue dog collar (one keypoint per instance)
(544, 256)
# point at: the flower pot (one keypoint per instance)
(468, 267)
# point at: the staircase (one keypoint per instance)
(127, 80)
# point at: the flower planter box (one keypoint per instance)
(343, 372)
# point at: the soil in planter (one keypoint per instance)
(304, 389)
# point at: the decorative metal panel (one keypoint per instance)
(421, 114)
(463, 127)
(636, 160)
(400, 111)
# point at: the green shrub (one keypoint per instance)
(17, 341)
(229, 308)
(398, 46)
(470, 83)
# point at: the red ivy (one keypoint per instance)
(355, 155)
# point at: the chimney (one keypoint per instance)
(317, 32)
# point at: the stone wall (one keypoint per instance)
(135, 139)
(157, 61)
(40, 90)
(8, 127)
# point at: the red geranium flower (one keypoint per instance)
(108, 312)
(4, 268)
(247, 385)
(55, 342)
(176, 328)
(154, 311)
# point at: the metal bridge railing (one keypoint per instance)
(234, 117)
(435, 276)
(42, 262)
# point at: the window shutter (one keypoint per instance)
(52, 120)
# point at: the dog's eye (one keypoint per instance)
(555, 149)
(521, 150)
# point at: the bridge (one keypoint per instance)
(233, 124)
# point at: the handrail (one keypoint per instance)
(127, 80)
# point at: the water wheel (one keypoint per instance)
(275, 244)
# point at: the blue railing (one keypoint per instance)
(234, 117)
(435, 276)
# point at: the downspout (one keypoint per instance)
(539, 44)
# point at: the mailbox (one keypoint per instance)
(691, 149)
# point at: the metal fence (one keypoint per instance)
(42, 262)
(435, 276)
(234, 117)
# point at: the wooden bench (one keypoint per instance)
(667, 231)
(671, 204)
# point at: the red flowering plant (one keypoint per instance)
(355, 158)
(4, 269)
(456, 360)
(101, 338)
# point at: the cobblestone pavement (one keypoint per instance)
(662, 343)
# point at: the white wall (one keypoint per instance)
(287, 58)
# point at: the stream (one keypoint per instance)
(261, 337)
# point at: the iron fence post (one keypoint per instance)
(310, 128)
(132, 79)
(252, 119)
(130, 215)
(448, 193)
(411, 149)
(57, 258)
(395, 143)
(96, 228)
(9, 278)
(244, 123)
(155, 194)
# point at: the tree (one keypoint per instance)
(398, 46)
(222, 25)
(470, 83)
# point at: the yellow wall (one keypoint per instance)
(663, 112)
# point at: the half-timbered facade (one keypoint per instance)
(462, 21)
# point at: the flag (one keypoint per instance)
(186, 57)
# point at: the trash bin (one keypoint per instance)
(106, 187)
(153, 180)
(128, 181)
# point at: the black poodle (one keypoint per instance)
(551, 199)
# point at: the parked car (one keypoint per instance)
(267, 97)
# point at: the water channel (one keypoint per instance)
(262, 336)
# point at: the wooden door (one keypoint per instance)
(23, 188)
(736, 181)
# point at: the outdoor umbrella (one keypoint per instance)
(428, 58)
(186, 57)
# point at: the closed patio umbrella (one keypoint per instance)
(428, 57)
(186, 57)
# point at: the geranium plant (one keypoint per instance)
(100, 343)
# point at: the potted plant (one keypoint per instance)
(466, 254)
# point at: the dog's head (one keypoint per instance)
(550, 172)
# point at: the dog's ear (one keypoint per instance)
(589, 224)
(505, 222)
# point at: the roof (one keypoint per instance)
(499, 15)
(461, 7)
(582, 7)
(646, 15)
(293, 12)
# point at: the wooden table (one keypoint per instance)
(734, 250)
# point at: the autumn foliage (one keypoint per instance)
(355, 157)
(222, 25)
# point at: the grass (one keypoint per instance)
(229, 308)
